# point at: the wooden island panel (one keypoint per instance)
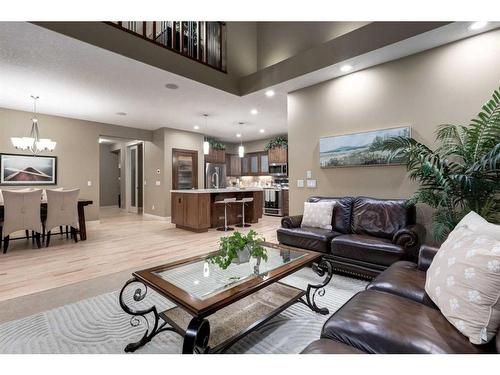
(191, 211)
(197, 211)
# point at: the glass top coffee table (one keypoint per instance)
(216, 307)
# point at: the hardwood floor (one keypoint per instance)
(120, 242)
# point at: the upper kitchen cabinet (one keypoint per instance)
(255, 164)
(264, 163)
(278, 155)
(233, 165)
(216, 152)
(215, 156)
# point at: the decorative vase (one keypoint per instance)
(243, 255)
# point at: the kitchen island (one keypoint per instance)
(195, 209)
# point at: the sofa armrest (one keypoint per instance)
(409, 236)
(425, 256)
(291, 221)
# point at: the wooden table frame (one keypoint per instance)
(197, 334)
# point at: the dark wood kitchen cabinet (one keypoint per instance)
(191, 211)
(215, 156)
(233, 165)
(278, 155)
(255, 164)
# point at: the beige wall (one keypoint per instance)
(78, 154)
(444, 85)
(77, 148)
(277, 41)
(241, 48)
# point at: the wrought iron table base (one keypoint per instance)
(197, 333)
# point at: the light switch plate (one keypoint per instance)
(311, 184)
(158, 183)
(300, 183)
(89, 183)
(309, 174)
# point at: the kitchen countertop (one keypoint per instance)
(224, 190)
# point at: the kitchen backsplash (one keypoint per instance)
(249, 181)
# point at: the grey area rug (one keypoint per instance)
(98, 325)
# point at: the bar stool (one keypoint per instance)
(243, 202)
(225, 202)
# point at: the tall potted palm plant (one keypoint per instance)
(462, 173)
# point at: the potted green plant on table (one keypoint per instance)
(462, 173)
(239, 248)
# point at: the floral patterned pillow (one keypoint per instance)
(464, 278)
(318, 215)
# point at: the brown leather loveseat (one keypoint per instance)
(395, 315)
(367, 236)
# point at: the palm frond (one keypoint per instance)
(462, 174)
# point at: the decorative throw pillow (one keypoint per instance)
(318, 215)
(464, 278)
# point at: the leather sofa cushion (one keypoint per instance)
(403, 279)
(307, 238)
(326, 346)
(341, 219)
(379, 322)
(367, 249)
(380, 217)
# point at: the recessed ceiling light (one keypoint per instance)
(172, 86)
(254, 111)
(345, 68)
(477, 25)
(261, 131)
(196, 127)
(238, 135)
(269, 93)
(121, 113)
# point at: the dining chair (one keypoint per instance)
(21, 212)
(62, 209)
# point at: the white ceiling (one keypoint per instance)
(75, 79)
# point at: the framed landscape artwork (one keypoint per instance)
(22, 170)
(359, 149)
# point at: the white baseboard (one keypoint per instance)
(156, 217)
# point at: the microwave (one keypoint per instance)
(278, 169)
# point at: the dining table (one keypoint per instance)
(81, 215)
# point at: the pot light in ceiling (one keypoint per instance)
(261, 131)
(346, 68)
(269, 93)
(196, 127)
(477, 25)
(254, 111)
(172, 86)
(121, 113)
(238, 135)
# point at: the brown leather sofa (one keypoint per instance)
(395, 315)
(367, 236)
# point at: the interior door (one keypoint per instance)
(134, 179)
(184, 169)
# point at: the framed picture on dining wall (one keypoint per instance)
(27, 170)
(359, 149)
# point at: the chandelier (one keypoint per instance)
(33, 143)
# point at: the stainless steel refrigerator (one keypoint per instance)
(215, 175)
